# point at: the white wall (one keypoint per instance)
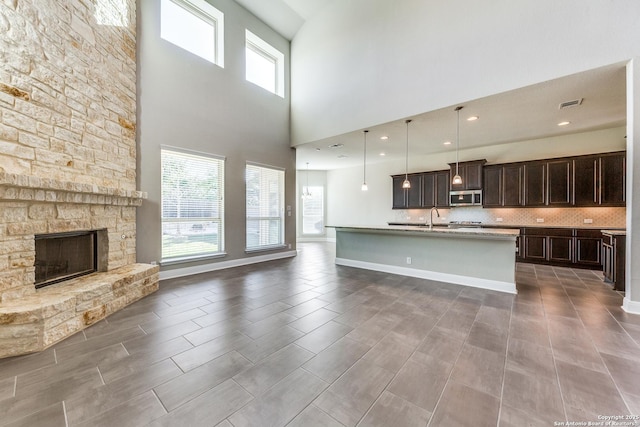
(365, 62)
(348, 205)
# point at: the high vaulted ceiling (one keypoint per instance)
(524, 114)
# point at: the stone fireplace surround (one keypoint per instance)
(32, 320)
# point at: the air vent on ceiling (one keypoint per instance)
(573, 103)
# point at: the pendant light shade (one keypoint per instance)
(457, 179)
(364, 164)
(406, 183)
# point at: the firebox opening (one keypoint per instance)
(64, 256)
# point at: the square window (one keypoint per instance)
(264, 64)
(195, 26)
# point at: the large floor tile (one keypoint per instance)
(282, 402)
(349, 398)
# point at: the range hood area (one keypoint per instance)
(469, 192)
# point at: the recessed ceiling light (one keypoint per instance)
(342, 156)
(384, 137)
(472, 118)
(317, 148)
(336, 146)
(563, 123)
(383, 154)
(447, 143)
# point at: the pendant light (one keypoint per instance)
(306, 194)
(406, 183)
(457, 179)
(364, 168)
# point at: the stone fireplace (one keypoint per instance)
(67, 165)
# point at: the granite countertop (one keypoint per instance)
(615, 232)
(441, 230)
(512, 226)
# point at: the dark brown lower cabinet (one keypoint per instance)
(568, 247)
(561, 247)
(589, 247)
(613, 259)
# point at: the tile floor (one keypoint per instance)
(302, 342)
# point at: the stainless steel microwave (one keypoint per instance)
(465, 198)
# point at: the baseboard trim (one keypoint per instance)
(206, 268)
(474, 282)
(631, 307)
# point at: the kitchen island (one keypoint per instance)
(477, 257)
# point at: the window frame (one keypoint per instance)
(264, 49)
(319, 191)
(209, 14)
(281, 209)
(221, 164)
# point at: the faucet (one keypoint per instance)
(431, 217)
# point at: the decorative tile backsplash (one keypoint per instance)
(567, 217)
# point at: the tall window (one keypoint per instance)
(264, 64)
(313, 211)
(194, 25)
(265, 207)
(192, 205)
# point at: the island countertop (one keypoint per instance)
(467, 232)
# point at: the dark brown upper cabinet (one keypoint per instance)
(471, 174)
(613, 172)
(535, 184)
(428, 189)
(407, 198)
(493, 190)
(513, 185)
(503, 185)
(559, 182)
(585, 186)
(435, 189)
(442, 187)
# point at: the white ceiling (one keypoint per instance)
(520, 115)
(523, 114)
(284, 16)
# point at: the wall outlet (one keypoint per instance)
(539, 219)
(588, 221)
(289, 245)
(421, 218)
(498, 219)
(408, 260)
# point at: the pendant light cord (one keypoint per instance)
(458, 138)
(364, 173)
(406, 161)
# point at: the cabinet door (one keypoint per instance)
(473, 176)
(535, 247)
(607, 262)
(399, 193)
(612, 179)
(559, 178)
(428, 190)
(534, 184)
(512, 185)
(442, 180)
(493, 190)
(560, 249)
(588, 251)
(585, 187)
(414, 194)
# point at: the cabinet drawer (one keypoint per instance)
(588, 233)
